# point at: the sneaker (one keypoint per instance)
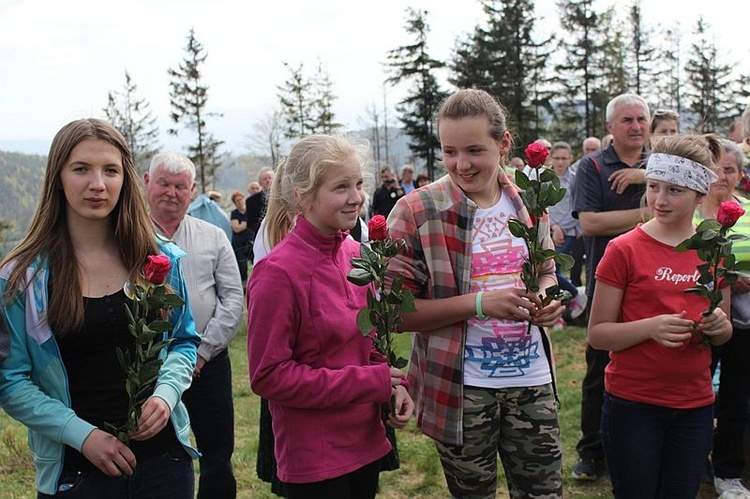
(585, 469)
(730, 487)
(577, 305)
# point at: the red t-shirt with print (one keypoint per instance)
(654, 277)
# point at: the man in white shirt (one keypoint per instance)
(217, 302)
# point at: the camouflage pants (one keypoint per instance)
(519, 424)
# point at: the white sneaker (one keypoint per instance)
(730, 488)
(577, 305)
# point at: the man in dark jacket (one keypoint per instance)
(385, 196)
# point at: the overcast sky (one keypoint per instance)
(59, 58)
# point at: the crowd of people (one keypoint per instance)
(481, 375)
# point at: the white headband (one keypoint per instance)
(680, 171)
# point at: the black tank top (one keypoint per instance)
(97, 381)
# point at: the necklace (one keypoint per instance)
(494, 201)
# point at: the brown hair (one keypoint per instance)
(663, 115)
(703, 149)
(474, 102)
(48, 236)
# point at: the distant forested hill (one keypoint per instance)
(21, 178)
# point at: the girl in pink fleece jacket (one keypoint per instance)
(324, 381)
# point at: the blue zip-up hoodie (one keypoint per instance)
(34, 383)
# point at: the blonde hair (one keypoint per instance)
(301, 174)
(48, 236)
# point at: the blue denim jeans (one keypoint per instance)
(168, 476)
(209, 403)
(654, 451)
(566, 248)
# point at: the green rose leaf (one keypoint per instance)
(517, 228)
(160, 326)
(407, 305)
(172, 301)
(709, 234)
(367, 253)
(360, 277)
(547, 177)
(521, 179)
(683, 246)
(364, 324)
(558, 196)
(565, 262)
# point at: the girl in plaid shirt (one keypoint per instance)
(482, 384)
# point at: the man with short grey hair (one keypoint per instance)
(217, 303)
(590, 145)
(607, 192)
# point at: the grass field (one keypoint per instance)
(420, 475)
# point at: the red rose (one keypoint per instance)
(729, 213)
(536, 154)
(157, 268)
(378, 228)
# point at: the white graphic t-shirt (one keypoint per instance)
(500, 353)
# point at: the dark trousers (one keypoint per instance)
(359, 484)
(577, 251)
(655, 451)
(243, 252)
(562, 281)
(728, 457)
(168, 476)
(592, 394)
(209, 403)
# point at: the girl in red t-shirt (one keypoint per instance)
(657, 417)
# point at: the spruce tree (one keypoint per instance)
(188, 97)
(412, 63)
(610, 63)
(132, 117)
(307, 102)
(642, 54)
(668, 72)
(503, 58)
(323, 100)
(578, 73)
(710, 91)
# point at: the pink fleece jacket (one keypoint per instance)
(324, 381)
